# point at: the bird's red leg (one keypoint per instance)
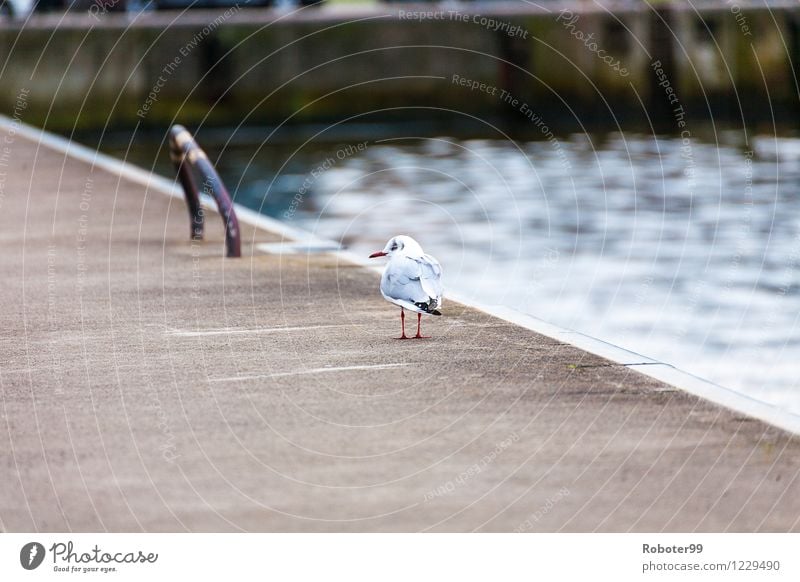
(419, 335)
(403, 323)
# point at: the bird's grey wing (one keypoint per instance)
(402, 281)
(430, 275)
(416, 280)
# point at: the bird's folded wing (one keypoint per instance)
(415, 279)
(430, 276)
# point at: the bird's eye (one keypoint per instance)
(394, 246)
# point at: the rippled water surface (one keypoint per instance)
(684, 251)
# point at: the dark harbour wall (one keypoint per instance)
(561, 70)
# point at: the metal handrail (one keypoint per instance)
(188, 159)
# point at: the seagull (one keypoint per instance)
(411, 279)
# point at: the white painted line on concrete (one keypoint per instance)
(297, 248)
(311, 371)
(663, 372)
(200, 333)
(258, 220)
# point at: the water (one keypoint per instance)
(685, 251)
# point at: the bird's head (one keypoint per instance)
(400, 245)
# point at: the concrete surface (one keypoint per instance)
(149, 384)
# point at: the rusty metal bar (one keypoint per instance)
(190, 160)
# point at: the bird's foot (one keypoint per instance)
(404, 336)
(420, 336)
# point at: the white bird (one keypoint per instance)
(411, 279)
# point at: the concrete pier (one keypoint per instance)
(150, 384)
(575, 66)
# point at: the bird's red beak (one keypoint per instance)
(377, 254)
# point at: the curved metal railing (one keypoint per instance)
(190, 161)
